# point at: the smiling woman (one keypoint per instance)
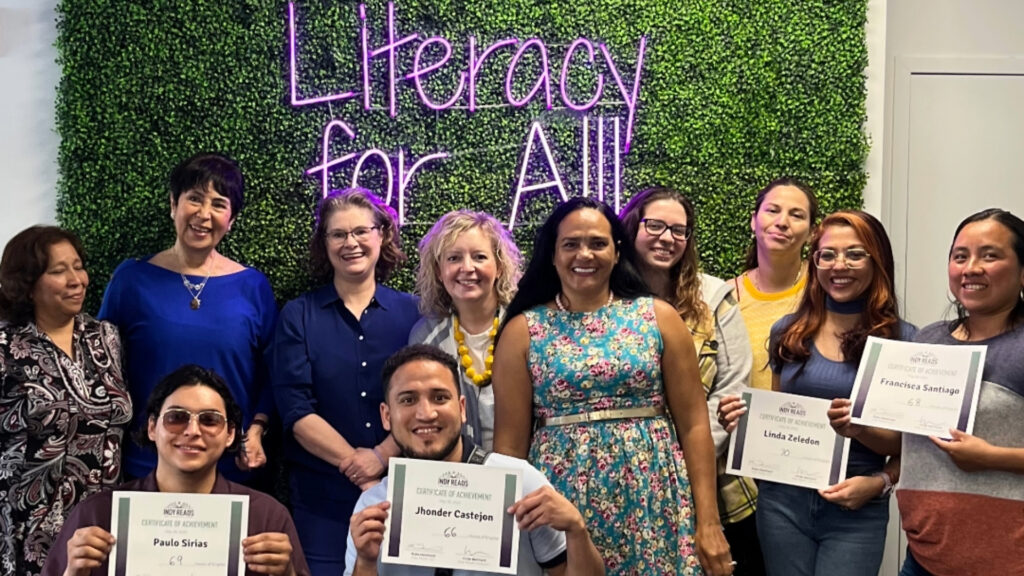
(63, 405)
(191, 304)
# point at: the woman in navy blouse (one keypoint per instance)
(325, 363)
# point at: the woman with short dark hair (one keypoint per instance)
(63, 402)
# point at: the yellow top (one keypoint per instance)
(760, 310)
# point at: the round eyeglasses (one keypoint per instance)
(656, 227)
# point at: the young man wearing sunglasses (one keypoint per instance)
(424, 412)
(192, 419)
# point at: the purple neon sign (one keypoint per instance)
(433, 54)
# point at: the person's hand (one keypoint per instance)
(546, 507)
(968, 452)
(367, 527)
(839, 418)
(269, 553)
(713, 550)
(730, 408)
(363, 467)
(88, 548)
(251, 455)
(854, 492)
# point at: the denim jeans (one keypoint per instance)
(912, 568)
(802, 534)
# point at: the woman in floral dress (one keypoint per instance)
(585, 374)
(63, 402)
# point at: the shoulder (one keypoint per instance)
(429, 330)
(532, 478)
(713, 290)
(907, 331)
(782, 324)
(404, 301)
(933, 333)
(131, 266)
(372, 495)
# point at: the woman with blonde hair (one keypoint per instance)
(469, 267)
(325, 364)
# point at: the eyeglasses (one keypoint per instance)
(176, 420)
(854, 258)
(358, 234)
(656, 227)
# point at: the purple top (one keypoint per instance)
(265, 515)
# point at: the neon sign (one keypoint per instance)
(465, 96)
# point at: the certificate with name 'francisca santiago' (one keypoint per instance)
(174, 534)
(917, 388)
(452, 515)
(786, 438)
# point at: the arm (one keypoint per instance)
(854, 492)
(734, 361)
(366, 533)
(972, 454)
(546, 507)
(687, 404)
(513, 390)
(881, 441)
(253, 455)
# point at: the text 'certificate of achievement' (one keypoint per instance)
(452, 515)
(786, 438)
(917, 388)
(170, 533)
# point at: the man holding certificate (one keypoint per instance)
(424, 412)
(168, 522)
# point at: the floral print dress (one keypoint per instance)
(61, 422)
(627, 477)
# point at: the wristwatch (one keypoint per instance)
(887, 485)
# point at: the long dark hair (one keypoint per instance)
(812, 216)
(881, 312)
(1016, 227)
(540, 283)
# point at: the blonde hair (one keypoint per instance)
(434, 299)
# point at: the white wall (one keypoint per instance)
(28, 138)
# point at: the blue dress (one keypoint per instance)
(627, 477)
(160, 332)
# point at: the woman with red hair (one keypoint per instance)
(850, 295)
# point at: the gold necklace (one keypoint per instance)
(467, 361)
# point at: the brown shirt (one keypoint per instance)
(265, 515)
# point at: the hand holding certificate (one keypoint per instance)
(451, 515)
(787, 438)
(917, 388)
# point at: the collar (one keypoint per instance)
(383, 297)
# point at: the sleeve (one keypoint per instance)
(13, 442)
(282, 522)
(267, 323)
(291, 376)
(111, 309)
(734, 361)
(93, 511)
(548, 544)
(367, 498)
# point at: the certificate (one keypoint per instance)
(170, 533)
(452, 515)
(917, 388)
(786, 438)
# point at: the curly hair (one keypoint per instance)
(391, 255)
(684, 276)
(881, 313)
(26, 257)
(812, 216)
(434, 299)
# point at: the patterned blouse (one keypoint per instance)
(61, 422)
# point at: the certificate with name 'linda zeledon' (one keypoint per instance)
(787, 438)
(917, 388)
(169, 533)
(451, 515)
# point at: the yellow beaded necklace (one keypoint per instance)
(467, 361)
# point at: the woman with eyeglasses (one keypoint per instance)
(192, 304)
(785, 212)
(325, 363)
(191, 420)
(850, 295)
(63, 401)
(661, 222)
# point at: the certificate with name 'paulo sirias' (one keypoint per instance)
(917, 388)
(787, 438)
(451, 515)
(174, 534)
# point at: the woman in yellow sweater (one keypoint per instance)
(785, 213)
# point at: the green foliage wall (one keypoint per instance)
(733, 94)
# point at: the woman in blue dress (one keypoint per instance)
(597, 383)
(325, 363)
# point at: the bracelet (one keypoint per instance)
(887, 483)
(381, 458)
(263, 424)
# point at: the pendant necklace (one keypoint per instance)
(195, 290)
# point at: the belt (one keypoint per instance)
(619, 414)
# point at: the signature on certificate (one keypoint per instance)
(419, 547)
(475, 554)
